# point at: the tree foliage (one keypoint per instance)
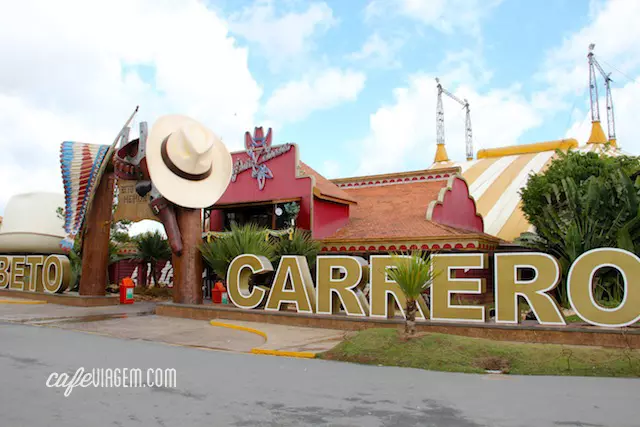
(300, 243)
(243, 239)
(253, 239)
(580, 167)
(152, 247)
(583, 202)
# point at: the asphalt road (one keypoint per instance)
(220, 388)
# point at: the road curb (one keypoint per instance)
(26, 302)
(238, 327)
(299, 354)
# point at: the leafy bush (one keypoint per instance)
(300, 243)
(152, 247)
(243, 239)
(583, 202)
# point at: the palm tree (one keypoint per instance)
(414, 274)
(152, 247)
(243, 239)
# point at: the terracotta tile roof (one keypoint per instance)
(394, 211)
(324, 186)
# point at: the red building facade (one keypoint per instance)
(377, 213)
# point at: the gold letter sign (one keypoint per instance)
(35, 273)
(240, 270)
(333, 290)
(444, 286)
(293, 269)
(508, 285)
(385, 293)
(580, 287)
(5, 261)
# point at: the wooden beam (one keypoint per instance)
(259, 203)
(188, 268)
(95, 246)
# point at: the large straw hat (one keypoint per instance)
(188, 163)
(31, 224)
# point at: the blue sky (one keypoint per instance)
(352, 82)
(503, 43)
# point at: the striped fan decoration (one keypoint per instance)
(80, 165)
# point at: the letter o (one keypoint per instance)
(580, 290)
(52, 274)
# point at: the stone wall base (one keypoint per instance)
(67, 298)
(530, 332)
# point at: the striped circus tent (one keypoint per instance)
(497, 175)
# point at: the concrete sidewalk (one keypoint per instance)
(138, 322)
(31, 313)
(198, 333)
(293, 338)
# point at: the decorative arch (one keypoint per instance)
(455, 206)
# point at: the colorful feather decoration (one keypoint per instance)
(80, 164)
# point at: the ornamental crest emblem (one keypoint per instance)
(259, 151)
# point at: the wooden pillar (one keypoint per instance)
(95, 245)
(187, 268)
(142, 276)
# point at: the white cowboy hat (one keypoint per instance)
(31, 224)
(187, 162)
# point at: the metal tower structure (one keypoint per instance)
(440, 119)
(593, 94)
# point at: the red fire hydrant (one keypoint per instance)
(216, 293)
(126, 291)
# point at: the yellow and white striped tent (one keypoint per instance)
(497, 175)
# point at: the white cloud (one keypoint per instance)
(72, 71)
(625, 101)
(565, 72)
(145, 226)
(296, 100)
(404, 133)
(446, 16)
(615, 31)
(465, 67)
(282, 38)
(378, 52)
(404, 130)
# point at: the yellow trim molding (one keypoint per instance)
(563, 144)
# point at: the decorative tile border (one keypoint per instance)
(406, 246)
(371, 182)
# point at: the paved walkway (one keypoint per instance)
(293, 338)
(137, 322)
(33, 313)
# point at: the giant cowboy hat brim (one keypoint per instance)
(190, 193)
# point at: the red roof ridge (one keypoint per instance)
(394, 175)
(325, 187)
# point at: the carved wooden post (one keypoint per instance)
(187, 269)
(95, 246)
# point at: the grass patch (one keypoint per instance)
(440, 352)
